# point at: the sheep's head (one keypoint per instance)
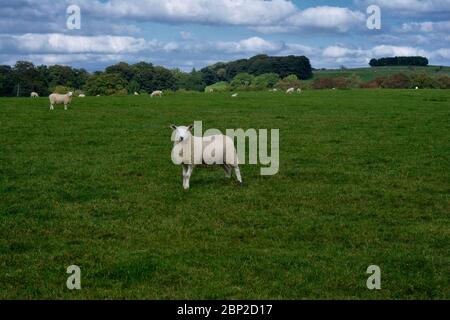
(181, 134)
(70, 94)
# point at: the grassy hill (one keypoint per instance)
(367, 74)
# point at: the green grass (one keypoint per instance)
(218, 86)
(367, 74)
(364, 179)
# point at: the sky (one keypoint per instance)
(190, 34)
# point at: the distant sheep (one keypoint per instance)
(34, 95)
(81, 95)
(157, 94)
(222, 146)
(290, 90)
(136, 94)
(234, 95)
(56, 98)
(299, 90)
(417, 88)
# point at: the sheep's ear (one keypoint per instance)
(191, 127)
(173, 127)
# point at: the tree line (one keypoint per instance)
(399, 61)
(123, 78)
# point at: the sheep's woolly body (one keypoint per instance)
(56, 98)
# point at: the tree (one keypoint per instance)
(126, 71)
(399, 61)
(209, 76)
(106, 84)
(6, 81)
(266, 80)
(242, 81)
(164, 79)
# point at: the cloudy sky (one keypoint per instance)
(195, 33)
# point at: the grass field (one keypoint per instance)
(367, 74)
(364, 179)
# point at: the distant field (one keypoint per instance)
(364, 179)
(367, 74)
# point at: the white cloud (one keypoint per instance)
(62, 43)
(426, 27)
(410, 7)
(328, 18)
(388, 51)
(231, 12)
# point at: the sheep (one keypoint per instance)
(56, 98)
(299, 90)
(211, 90)
(157, 94)
(136, 94)
(34, 95)
(417, 88)
(234, 95)
(290, 90)
(81, 95)
(191, 151)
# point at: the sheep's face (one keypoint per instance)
(181, 134)
(70, 94)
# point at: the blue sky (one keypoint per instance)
(194, 33)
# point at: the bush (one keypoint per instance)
(266, 80)
(62, 89)
(242, 81)
(396, 81)
(290, 82)
(423, 81)
(443, 82)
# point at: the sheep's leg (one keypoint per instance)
(185, 170)
(65, 107)
(52, 107)
(238, 173)
(228, 170)
(188, 176)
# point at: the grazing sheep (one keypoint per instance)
(417, 88)
(234, 95)
(201, 150)
(211, 90)
(157, 94)
(56, 98)
(81, 95)
(290, 90)
(34, 95)
(299, 90)
(136, 94)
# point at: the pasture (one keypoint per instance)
(364, 179)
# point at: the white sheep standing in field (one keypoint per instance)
(34, 95)
(299, 90)
(200, 150)
(417, 88)
(81, 95)
(136, 94)
(290, 90)
(157, 94)
(56, 98)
